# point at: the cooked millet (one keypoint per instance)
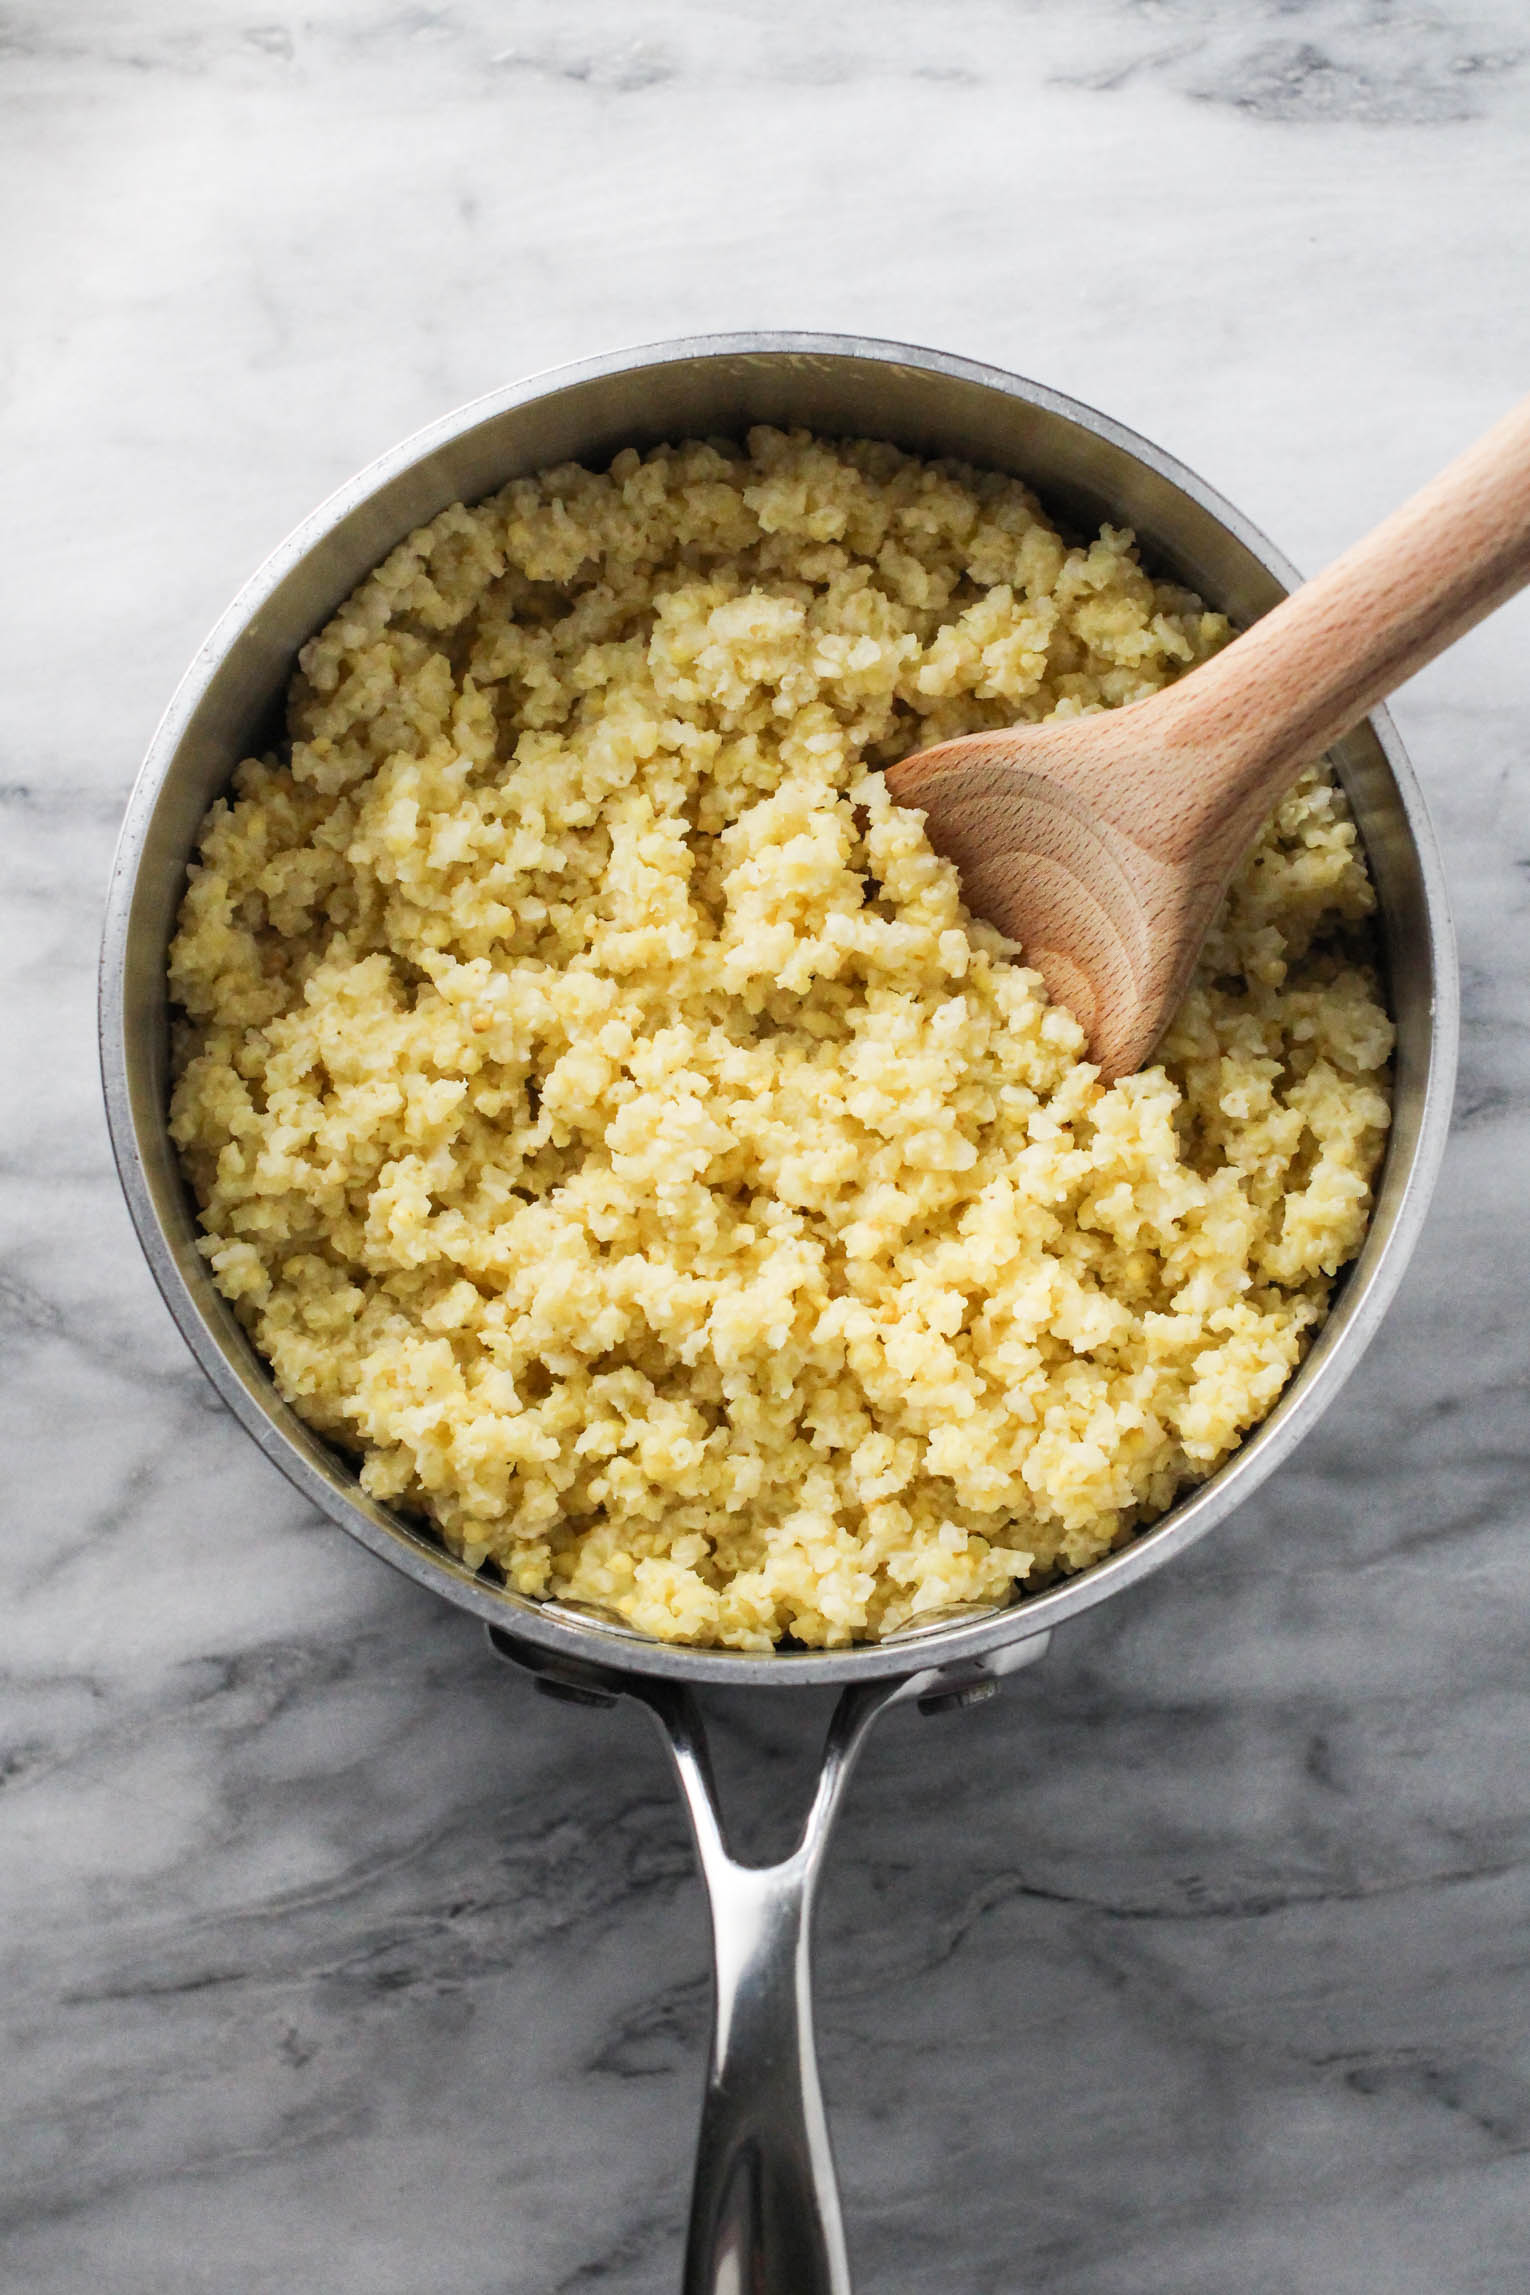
(612, 1128)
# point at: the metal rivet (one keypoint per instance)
(570, 1693)
(947, 1700)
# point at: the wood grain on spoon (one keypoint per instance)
(1103, 844)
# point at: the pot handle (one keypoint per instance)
(765, 2216)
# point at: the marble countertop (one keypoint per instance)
(1195, 1964)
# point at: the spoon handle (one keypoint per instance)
(1314, 665)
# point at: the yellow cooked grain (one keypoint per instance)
(609, 1123)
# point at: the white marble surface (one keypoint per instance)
(333, 1958)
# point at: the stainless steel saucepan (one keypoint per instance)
(765, 2212)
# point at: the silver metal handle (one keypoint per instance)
(765, 2215)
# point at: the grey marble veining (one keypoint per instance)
(332, 1956)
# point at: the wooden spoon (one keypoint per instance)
(1103, 844)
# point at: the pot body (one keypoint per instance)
(1086, 469)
